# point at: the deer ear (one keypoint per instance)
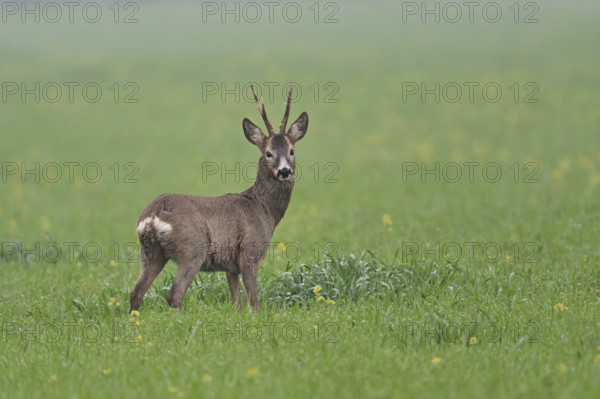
(253, 133)
(298, 128)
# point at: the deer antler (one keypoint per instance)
(287, 112)
(263, 113)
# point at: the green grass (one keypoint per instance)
(518, 323)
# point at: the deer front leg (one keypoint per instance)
(249, 276)
(233, 279)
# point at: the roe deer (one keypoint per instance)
(230, 233)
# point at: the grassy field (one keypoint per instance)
(442, 240)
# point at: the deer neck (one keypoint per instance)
(271, 193)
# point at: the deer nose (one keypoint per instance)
(284, 173)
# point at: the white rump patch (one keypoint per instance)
(162, 228)
(143, 225)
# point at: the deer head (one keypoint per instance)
(277, 149)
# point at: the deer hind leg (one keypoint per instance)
(150, 267)
(233, 279)
(189, 248)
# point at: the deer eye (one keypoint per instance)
(268, 154)
(292, 152)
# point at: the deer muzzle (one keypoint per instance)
(284, 173)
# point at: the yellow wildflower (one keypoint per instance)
(206, 378)
(562, 368)
(472, 340)
(317, 289)
(46, 225)
(106, 371)
(252, 372)
(139, 339)
(560, 307)
(320, 298)
(114, 263)
(281, 246)
(387, 222)
(435, 360)
(330, 302)
(134, 313)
